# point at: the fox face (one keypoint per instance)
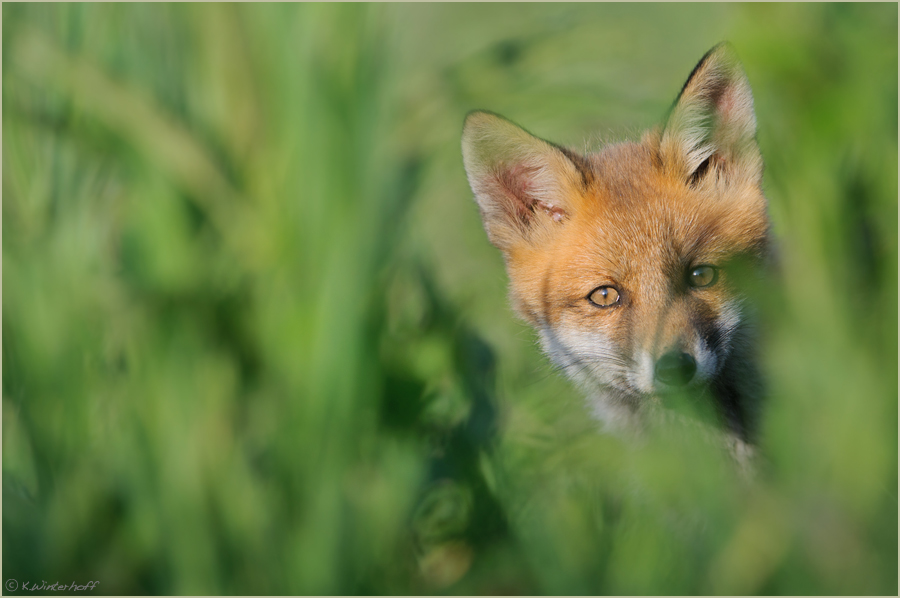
(628, 261)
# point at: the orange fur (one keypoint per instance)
(639, 218)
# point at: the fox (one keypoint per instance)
(630, 261)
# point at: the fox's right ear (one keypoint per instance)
(711, 131)
(524, 186)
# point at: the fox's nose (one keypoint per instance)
(675, 368)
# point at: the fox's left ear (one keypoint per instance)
(525, 187)
(711, 131)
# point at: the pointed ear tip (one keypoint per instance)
(724, 52)
(477, 118)
(475, 127)
(723, 46)
(474, 123)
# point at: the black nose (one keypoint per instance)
(675, 368)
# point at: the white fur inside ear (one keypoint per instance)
(713, 117)
(517, 179)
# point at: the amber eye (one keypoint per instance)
(604, 297)
(703, 276)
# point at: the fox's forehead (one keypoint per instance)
(632, 216)
(624, 171)
(626, 181)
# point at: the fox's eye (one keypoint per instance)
(604, 297)
(703, 276)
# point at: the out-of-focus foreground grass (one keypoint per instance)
(255, 340)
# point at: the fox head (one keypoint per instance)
(621, 259)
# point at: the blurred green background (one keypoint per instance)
(255, 339)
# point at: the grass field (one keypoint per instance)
(255, 340)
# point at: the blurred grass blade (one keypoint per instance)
(131, 114)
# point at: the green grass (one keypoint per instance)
(255, 340)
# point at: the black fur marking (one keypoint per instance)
(691, 76)
(704, 320)
(700, 172)
(580, 163)
(730, 405)
(709, 93)
(728, 400)
(694, 72)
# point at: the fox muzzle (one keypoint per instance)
(675, 369)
